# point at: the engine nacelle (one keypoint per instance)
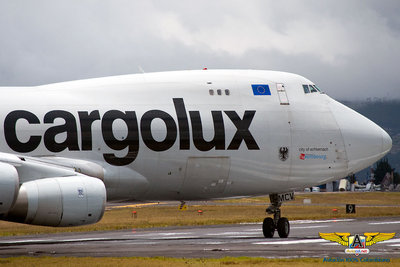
(60, 201)
(9, 185)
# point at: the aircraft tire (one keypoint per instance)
(268, 227)
(283, 227)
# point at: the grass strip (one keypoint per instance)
(175, 262)
(245, 212)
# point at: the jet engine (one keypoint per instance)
(58, 201)
(9, 186)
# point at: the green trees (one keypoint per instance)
(382, 167)
(396, 178)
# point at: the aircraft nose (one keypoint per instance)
(386, 142)
(364, 141)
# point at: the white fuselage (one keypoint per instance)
(172, 135)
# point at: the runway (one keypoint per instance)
(209, 241)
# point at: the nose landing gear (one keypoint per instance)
(281, 224)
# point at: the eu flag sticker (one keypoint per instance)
(261, 89)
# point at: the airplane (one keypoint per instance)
(67, 148)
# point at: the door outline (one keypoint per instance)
(283, 98)
(205, 176)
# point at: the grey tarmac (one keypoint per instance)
(209, 241)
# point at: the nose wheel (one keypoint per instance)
(281, 224)
(268, 227)
(283, 227)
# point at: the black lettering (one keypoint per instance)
(131, 141)
(219, 131)
(86, 121)
(10, 131)
(184, 135)
(357, 242)
(242, 130)
(145, 128)
(71, 141)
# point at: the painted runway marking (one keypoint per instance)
(157, 234)
(233, 233)
(175, 237)
(169, 234)
(377, 223)
(241, 236)
(307, 227)
(321, 221)
(396, 240)
(81, 239)
(141, 243)
(291, 242)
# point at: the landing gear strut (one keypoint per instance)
(281, 224)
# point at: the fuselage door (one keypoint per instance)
(278, 147)
(280, 87)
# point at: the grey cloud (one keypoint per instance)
(350, 48)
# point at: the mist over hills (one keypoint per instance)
(385, 113)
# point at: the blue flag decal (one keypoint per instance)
(261, 89)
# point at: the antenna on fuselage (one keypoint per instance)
(140, 69)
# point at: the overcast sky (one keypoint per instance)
(351, 49)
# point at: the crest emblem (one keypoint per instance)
(283, 153)
(80, 192)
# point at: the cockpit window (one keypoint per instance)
(313, 89)
(319, 90)
(305, 88)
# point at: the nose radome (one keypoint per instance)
(364, 141)
(386, 142)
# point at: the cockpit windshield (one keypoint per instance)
(319, 90)
(306, 89)
(311, 88)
